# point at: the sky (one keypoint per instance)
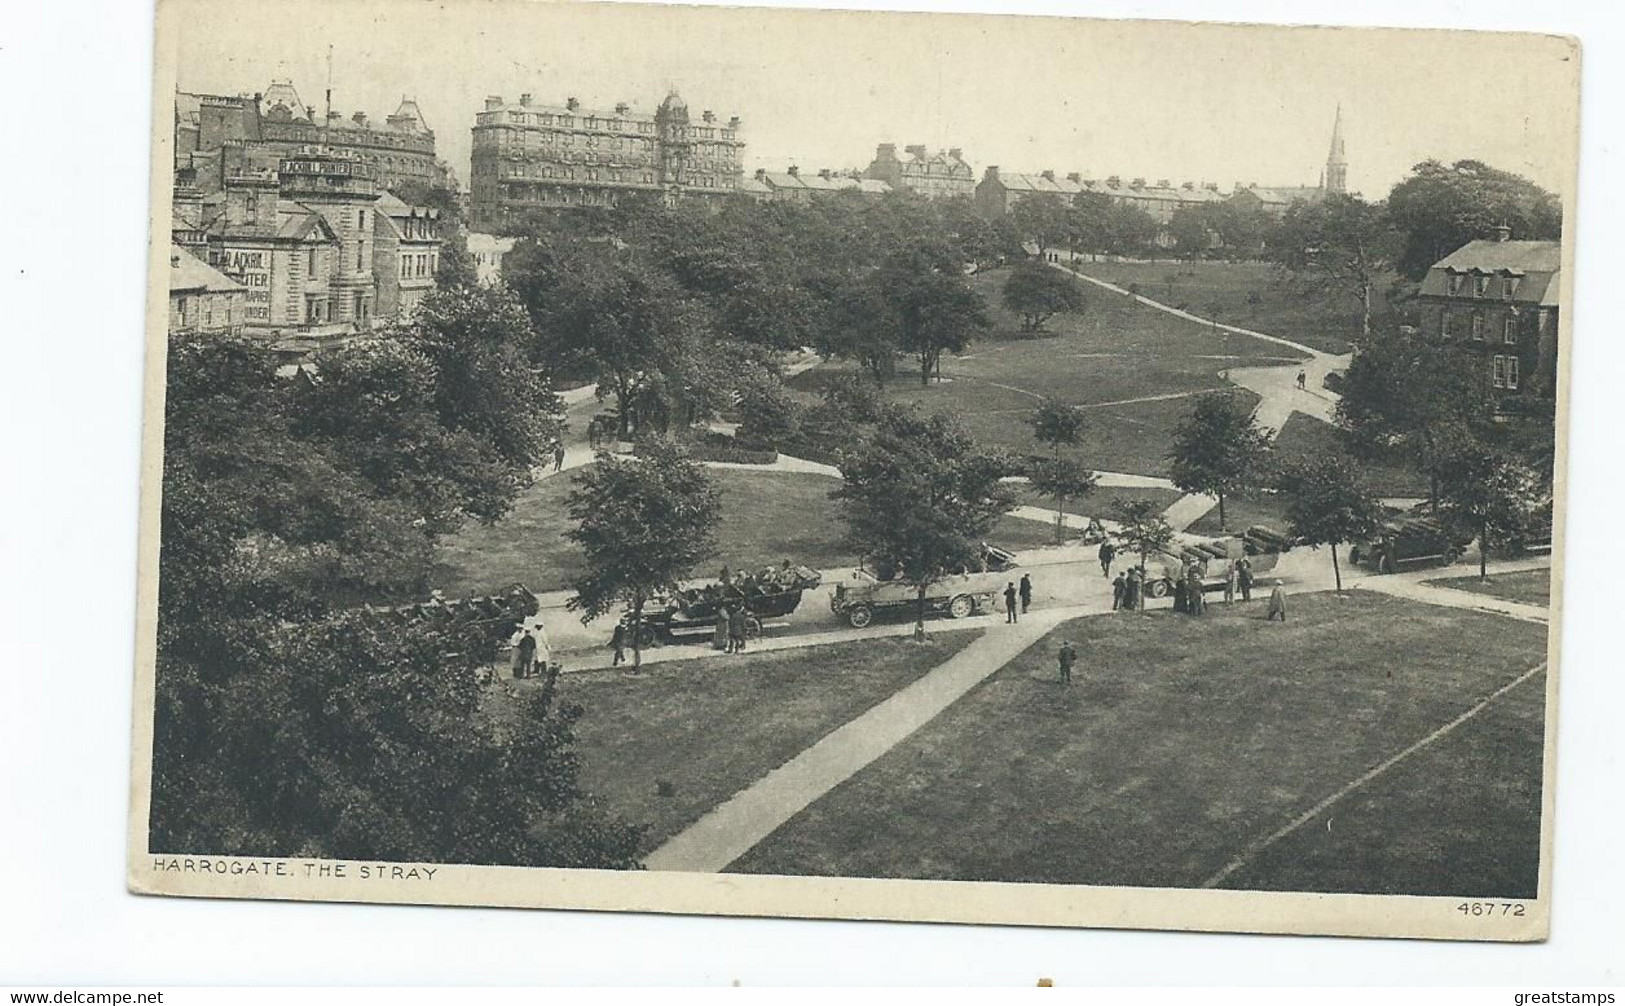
(1152, 99)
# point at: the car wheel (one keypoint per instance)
(1157, 588)
(962, 606)
(647, 637)
(859, 616)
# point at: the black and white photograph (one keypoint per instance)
(861, 465)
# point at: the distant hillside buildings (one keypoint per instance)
(529, 156)
(942, 175)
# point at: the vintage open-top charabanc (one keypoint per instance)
(766, 594)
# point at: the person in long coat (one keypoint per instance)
(1108, 552)
(1025, 589)
(1010, 602)
(737, 622)
(1244, 577)
(1133, 590)
(617, 642)
(1230, 580)
(524, 655)
(1277, 603)
(1120, 591)
(1195, 599)
(1181, 594)
(719, 636)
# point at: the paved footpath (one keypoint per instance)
(1413, 586)
(736, 826)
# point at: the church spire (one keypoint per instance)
(1337, 166)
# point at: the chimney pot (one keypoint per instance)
(1047, 173)
(1073, 176)
(621, 108)
(524, 99)
(733, 122)
(572, 103)
(1503, 233)
(794, 170)
(957, 153)
(493, 101)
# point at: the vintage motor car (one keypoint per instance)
(865, 592)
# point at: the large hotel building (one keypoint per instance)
(529, 156)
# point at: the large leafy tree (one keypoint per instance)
(1142, 529)
(919, 498)
(1440, 207)
(1039, 293)
(1342, 244)
(1414, 395)
(936, 311)
(643, 524)
(1219, 449)
(1494, 493)
(1041, 218)
(1328, 504)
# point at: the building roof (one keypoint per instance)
(750, 183)
(1537, 265)
(1282, 195)
(783, 180)
(389, 204)
(189, 274)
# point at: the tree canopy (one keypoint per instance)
(1328, 504)
(1218, 449)
(1039, 293)
(1440, 207)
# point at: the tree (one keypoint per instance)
(920, 499)
(1041, 218)
(1060, 425)
(1328, 504)
(643, 524)
(1493, 493)
(1440, 207)
(1193, 228)
(1142, 530)
(935, 311)
(1218, 448)
(1342, 244)
(1038, 293)
(1414, 394)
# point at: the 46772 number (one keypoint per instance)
(1489, 908)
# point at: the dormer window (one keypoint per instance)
(1509, 286)
(1481, 285)
(1453, 283)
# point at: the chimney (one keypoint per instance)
(1073, 176)
(1189, 186)
(493, 101)
(1113, 182)
(793, 171)
(1047, 174)
(333, 117)
(917, 149)
(733, 122)
(1162, 183)
(524, 99)
(572, 103)
(823, 173)
(1211, 186)
(1503, 233)
(761, 174)
(708, 116)
(621, 108)
(957, 153)
(359, 118)
(993, 172)
(1138, 183)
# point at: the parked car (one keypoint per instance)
(1410, 538)
(1261, 546)
(865, 592)
(768, 593)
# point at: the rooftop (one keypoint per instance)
(189, 274)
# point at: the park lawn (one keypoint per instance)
(767, 516)
(709, 727)
(1183, 742)
(1304, 437)
(1324, 321)
(1101, 500)
(1533, 586)
(1242, 511)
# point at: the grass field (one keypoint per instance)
(666, 745)
(766, 517)
(1099, 503)
(1118, 360)
(1185, 743)
(1242, 511)
(1529, 587)
(1282, 308)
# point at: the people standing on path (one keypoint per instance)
(1181, 598)
(1026, 592)
(1302, 378)
(617, 642)
(1195, 599)
(558, 456)
(1277, 603)
(544, 648)
(1108, 552)
(736, 628)
(1231, 580)
(719, 636)
(1009, 603)
(1066, 657)
(1244, 577)
(1134, 589)
(524, 655)
(1119, 591)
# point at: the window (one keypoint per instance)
(1512, 373)
(361, 219)
(360, 255)
(1478, 327)
(1444, 324)
(1509, 286)
(1498, 371)
(1509, 330)
(1481, 284)
(310, 263)
(1453, 283)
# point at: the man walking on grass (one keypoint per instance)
(1277, 603)
(1067, 657)
(1009, 603)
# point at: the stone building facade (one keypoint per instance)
(201, 298)
(219, 135)
(529, 156)
(1500, 298)
(940, 175)
(406, 253)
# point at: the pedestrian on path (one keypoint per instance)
(544, 648)
(1181, 595)
(1009, 603)
(1231, 579)
(719, 636)
(1277, 603)
(1132, 590)
(558, 456)
(617, 642)
(1066, 657)
(1108, 552)
(524, 655)
(1026, 592)
(1120, 592)
(1195, 599)
(1244, 577)
(1302, 377)
(736, 629)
